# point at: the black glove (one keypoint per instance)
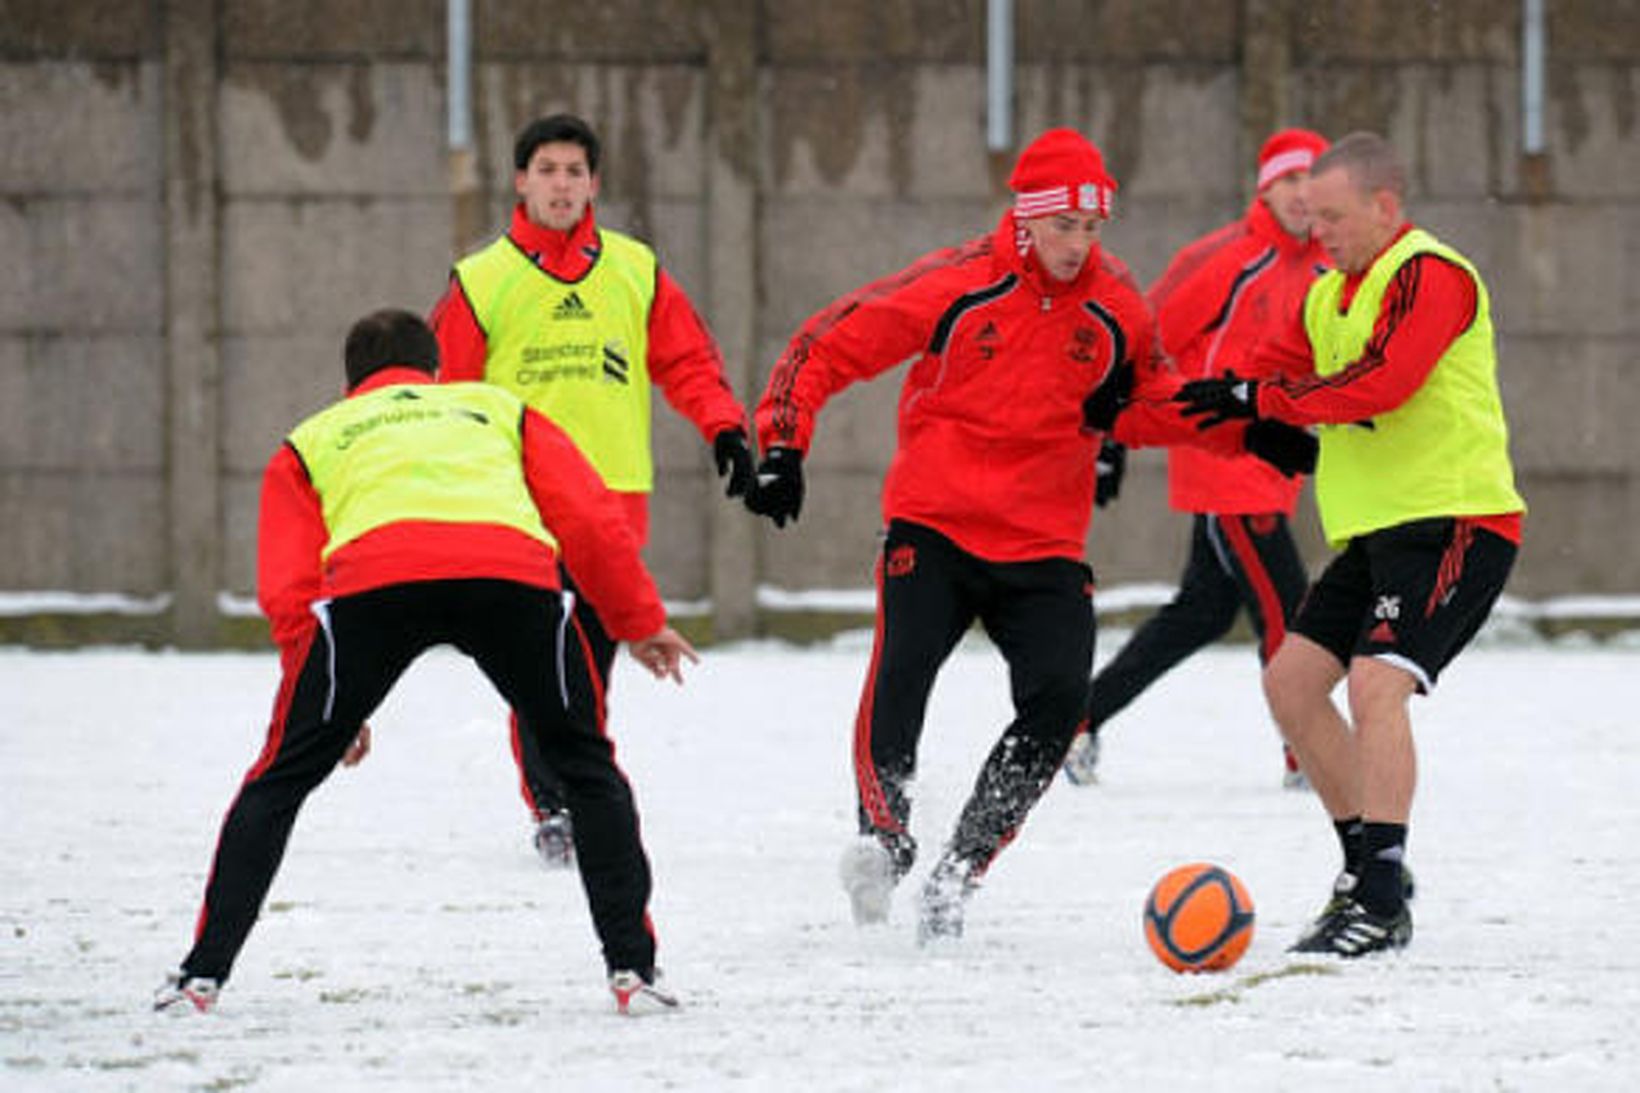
(1110, 467)
(734, 461)
(1110, 398)
(1219, 400)
(778, 493)
(1285, 447)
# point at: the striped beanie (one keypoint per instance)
(1060, 171)
(1288, 151)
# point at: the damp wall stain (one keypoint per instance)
(835, 136)
(300, 96)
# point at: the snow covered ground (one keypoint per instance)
(413, 943)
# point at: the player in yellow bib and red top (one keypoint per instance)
(1217, 299)
(410, 515)
(582, 322)
(1414, 485)
(988, 498)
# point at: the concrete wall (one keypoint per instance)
(199, 196)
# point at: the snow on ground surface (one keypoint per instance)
(413, 943)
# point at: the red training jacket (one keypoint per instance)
(582, 515)
(992, 453)
(1218, 299)
(684, 361)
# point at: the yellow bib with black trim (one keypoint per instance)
(577, 352)
(443, 453)
(1443, 452)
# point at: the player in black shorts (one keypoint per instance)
(1415, 487)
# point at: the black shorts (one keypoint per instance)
(1413, 594)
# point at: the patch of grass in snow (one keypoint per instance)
(1233, 993)
(139, 1062)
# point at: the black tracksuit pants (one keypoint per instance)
(542, 789)
(1039, 614)
(523, 642)
(1235, 562)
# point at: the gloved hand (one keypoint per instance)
(1227, 398)
(779, 490)
(734, 460)
(1110, 398)
(1287, 448)
(1110, 467)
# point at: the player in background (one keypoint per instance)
(1415, 488)
(581, 322)
(1219, 297)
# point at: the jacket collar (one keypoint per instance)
(565, 254)
(1263, 225)
(389, 376)
(1012, 248)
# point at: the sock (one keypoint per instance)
(1349, 841)
(1382, 848)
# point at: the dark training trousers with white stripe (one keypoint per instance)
(542, 789)
(1235, 562)
(529, 649)
(1039, 614)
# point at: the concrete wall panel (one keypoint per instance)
(817, 249)
(1553, 267)
(309, 29)
(679, 538)
(1567, 512)
(295, 263)
(79, 530)
(90, 129)
(1571, 404)
(648, 117)
(1593, 132)
(372, 129)
(82, 402)
(100, 30)
(834, 542)
(241, 495)
(840, 142)
(83, 265)
(269, 383)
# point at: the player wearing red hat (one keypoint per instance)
(1217, 300)
(988, 499)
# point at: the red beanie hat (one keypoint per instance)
(1288, 151)
(1060, 171)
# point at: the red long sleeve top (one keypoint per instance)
(585, 518)
(991, 452)
(684, 361)
(1216, 301)
(1427, 305)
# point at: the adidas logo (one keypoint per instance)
(571, 307)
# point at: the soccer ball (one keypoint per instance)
(1199, 918)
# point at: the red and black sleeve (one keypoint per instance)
(591, 527)
(1428, 304)
(291, 536)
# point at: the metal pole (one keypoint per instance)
(999, 75)
(459, 21)
(1531, 77)
(467, 220)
